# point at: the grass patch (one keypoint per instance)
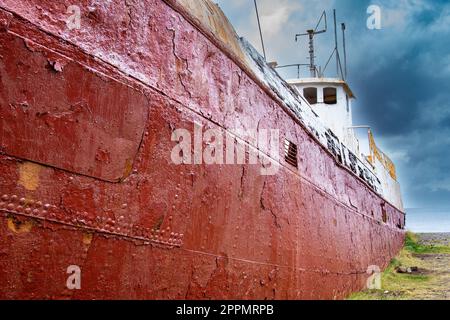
(412, 245)
(397, 286)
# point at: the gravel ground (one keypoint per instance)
(442, 239)
(439, 265)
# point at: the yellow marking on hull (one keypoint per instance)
(87, 238)
(19, 227)
(128, 169)
(29, 175)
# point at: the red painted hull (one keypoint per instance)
(86, 176)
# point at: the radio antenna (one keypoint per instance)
(339, 71)
(260, 31)
(345, 50)
(311, 34)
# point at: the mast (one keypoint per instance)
(311, 33)
(312, 65)
(345, 50)
(336, 43)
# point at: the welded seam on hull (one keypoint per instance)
(275, 265)
(145, 241)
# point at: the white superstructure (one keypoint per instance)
(331, 99)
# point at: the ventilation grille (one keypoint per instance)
(384, 214)
(290, 153)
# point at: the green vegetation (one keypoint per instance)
(413, 246)
(421, 284)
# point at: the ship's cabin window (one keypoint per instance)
(348, 103)
(310, 95)
(330, 95)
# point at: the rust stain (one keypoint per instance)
(19, 227)
(128, 168)
(87, 238)
(29, 175)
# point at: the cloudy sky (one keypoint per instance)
(400, 75)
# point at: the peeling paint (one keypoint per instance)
(87, 238)
(29, 175)
(19, 227)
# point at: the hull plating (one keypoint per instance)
(86, 176)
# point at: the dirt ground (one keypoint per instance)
(429, 256)
(438, 287)
(442, 239)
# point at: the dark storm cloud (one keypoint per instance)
(407, 101)
(400, 75)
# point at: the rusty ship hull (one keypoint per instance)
(86, 177)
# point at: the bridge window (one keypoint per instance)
(310, 95)
(330, 95)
